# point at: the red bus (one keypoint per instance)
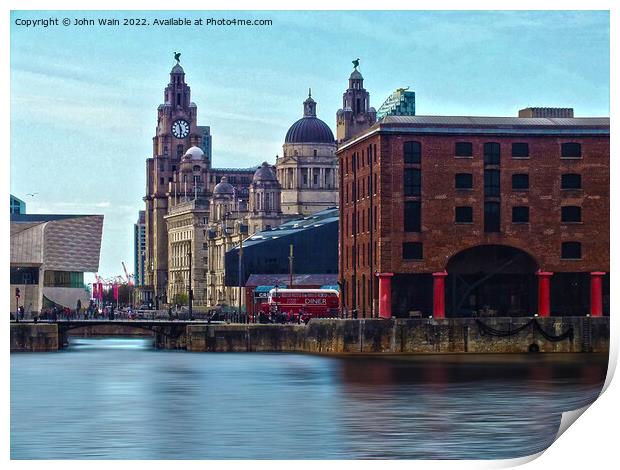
(295, 305)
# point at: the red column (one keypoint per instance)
(596, 293)
(385, 295)
(439, 294)
(544, 296)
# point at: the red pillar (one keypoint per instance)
(596, 293)
(544, 296)
(439, 294)
(385, 295)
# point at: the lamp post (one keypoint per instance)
(290, 266)
(190, 293)
(240, 267)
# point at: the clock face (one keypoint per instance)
(180, 129)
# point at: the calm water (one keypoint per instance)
(121, 399)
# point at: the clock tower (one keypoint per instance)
(176, 131)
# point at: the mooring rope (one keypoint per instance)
(486, 329)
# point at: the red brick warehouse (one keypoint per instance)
(459, 216)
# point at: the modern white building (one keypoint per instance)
(49, 256)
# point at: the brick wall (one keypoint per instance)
(440, 235)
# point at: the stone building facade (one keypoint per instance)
(356, 114)
(195, 213)
(464, 216)
(308, 167)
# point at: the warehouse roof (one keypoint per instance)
(485, 125)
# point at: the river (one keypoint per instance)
(118, 398)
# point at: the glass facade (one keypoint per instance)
(63, 279)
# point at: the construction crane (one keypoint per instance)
(129, 281)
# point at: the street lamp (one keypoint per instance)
(190, 293)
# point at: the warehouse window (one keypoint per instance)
(571, 214)
(520, 214)
(412, 182)
(571, 150)
(520, 150)
(491, 217)
(491, 182)
(491, 153)
(412, 152)
(463, 149)
(463, 215)
(412, 216)
(520, 181)
(571, 250)
(412, 250)
(463, 181)
(571, 181)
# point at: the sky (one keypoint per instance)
(84, 98)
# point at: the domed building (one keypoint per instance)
(264, 204)
(308, 168)
(223, 201)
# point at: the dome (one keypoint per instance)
(356, 75)
(194, 153)
(264, 173)
(309, 129)
(223, 187)
(177, 69)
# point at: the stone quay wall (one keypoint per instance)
(332, 336)
(34, 337)
(415, 336)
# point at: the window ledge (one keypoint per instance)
(520, 223)
(571, 259)
(464, 189)
(571, 158)
(464, 223)
(463, 156)
(520, 158)
(572, 223)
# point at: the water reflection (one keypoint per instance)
(121, 399)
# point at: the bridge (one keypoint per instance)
(167, 334)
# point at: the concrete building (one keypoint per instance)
(546, 113)
(17, 205)
(476, 215)
(308, 168)
(49, 256)
(139, 250)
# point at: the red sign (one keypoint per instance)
(115, 289)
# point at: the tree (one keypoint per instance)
(181, 298)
